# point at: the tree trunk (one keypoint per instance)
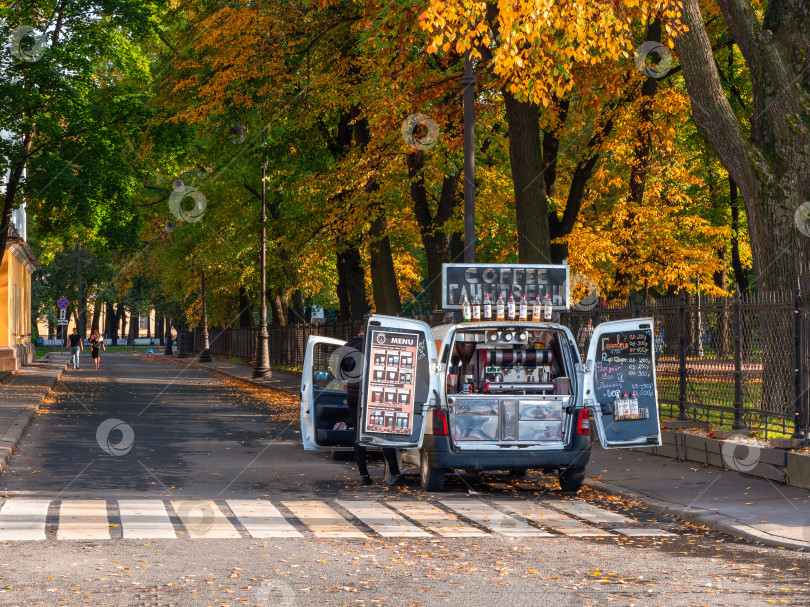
(381, 263)
(96, 316)
(296, 312)
(354, 284)
(456, 247)
(526, 159)
(345, 312)
(122, 319)
(160, 329)
(12, 187)
(245, 309)
(110, 323)
(133, 328)
(278, 308)
(772, 166)
(740, 275)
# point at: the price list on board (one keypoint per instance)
(391, 382)
(624, 363)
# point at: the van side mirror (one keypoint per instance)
(322, 379)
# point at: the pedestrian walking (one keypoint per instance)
(584, 337)
(351, 369)
(96, 345)
(75, 344)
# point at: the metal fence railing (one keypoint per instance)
(742, 361)
(739, 361)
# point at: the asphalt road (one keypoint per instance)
(183, 435)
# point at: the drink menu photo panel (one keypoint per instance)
(390, 393)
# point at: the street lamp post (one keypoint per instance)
(205, 355)
(468, 81)
(262, 368)
(182, 346)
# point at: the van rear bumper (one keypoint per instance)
(443, 456)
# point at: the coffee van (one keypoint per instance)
(482, 396)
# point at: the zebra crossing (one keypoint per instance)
(87, 519)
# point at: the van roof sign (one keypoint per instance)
(471, 279)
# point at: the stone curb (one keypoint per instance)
(17, 429)
(701, 516)
(247, 380)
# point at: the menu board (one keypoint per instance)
(390, 393)
(624, 363)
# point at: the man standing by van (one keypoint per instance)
(76, 346)
(349, 369)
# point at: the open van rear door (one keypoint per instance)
(320, 386)
(401, 380)
(621, 358)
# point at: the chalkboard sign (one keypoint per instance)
(624, 363)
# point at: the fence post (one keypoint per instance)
(682, 414)
(797, 405)
(738, 423)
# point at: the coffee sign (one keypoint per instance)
(476, 280)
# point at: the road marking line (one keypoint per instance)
(644, 532)
(494, 519)
(145, 519)
(203, 519)
(22, 519)
(322, 520)
(589, 512)
(540, 513)
(83, 520)
(436, 520)
(383, 520)
(262, 519)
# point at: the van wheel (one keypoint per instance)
(342, 456)
(432, 479)
(572, 479)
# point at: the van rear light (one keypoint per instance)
(582, 422)
(440, 425)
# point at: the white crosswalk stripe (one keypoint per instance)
(262, 519)
(588, 512)
(83, 520)
(145, 519)
(204, 520)
(24, 519)
(494, 519)
(541, 513)
(322, 520)
(435, 519)
(639, 532)
(383, 520)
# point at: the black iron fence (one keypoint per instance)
(741, 362)
(287, 345)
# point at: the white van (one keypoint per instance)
(509, 396)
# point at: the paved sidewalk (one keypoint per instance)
(20, 398)
(724, 500)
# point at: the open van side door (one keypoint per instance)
(621, 358)
(319, 386)
(401, 381)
